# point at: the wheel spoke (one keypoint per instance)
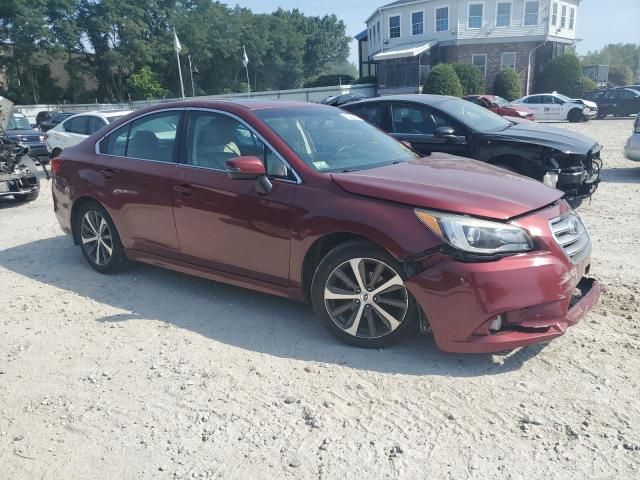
(107, 248)
(89, 223)
(371, 322)
(375, 275)
(357, 265)
(343, 308)
(355, 321)
(104, 228)
(345, 278)
(393, 303)
(86, 240)
(98, 253)
(396, 281)
(389, 320)
(339, 294)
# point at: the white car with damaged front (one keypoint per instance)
(558, 107)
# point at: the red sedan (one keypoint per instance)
(500, 106)
(312, 203)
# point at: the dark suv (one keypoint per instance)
(434, 123)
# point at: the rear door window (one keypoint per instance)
(78, 125)
(95, 124)
(116, 142)
(409, 119)
(153, 137)
(374, 114)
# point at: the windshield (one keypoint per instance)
(473, 116)
(330, 140)
(564, 97)
(18, 122)
(501, 102)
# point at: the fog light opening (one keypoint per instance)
(550, 179)
(496, 324)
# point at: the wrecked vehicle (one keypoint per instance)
(17, 170)
(559, 158)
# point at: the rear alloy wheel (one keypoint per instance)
(99, 239)
(361, 298)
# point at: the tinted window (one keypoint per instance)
(629, 95)
(532, 99)
(371, 113)
(213, 138)
(153, 137)
(473, 116)
(329, 139)
(116, 142)
(95, 124)
(18, 122)
(79, 125)
(416, 120)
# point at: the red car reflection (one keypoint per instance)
(500, 106)
(312, 203)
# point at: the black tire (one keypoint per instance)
(117, 259)
(575, 115)
(370, 319)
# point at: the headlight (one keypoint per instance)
(523, 114)
(42, 138)
(477, 236)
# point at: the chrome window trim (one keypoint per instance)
(298, 180)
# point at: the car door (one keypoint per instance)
(630, 102)
(72, 132)
(136, 167)
(226, 224)
(534, 102)
(609, 103)
(417, 124)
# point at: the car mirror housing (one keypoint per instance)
(245, 168)
(445, 132)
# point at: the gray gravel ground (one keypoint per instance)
(153, 374)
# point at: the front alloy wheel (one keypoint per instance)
(366, 298)
(359, 294)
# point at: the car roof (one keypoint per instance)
(425, 99)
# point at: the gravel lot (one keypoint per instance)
(153, 374)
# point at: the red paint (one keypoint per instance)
(202, 222)
(488, 102)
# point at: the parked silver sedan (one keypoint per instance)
(632, 148)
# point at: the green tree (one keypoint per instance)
(145, 85)
(443, 81)
(470, 78)
(507, 84)
(616, 54)
(620, 75)
(564, 75)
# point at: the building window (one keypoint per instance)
(475, 15)
(442, 19)
(503, 14)
(572, 18)
(480, 61)
(378, 30)
(531, 13)
(417, 23)
(508, 60)
(394, 26)
(554, 15)
(563, 18)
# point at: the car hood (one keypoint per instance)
(23, 132)
(453, 184)
(560, 139)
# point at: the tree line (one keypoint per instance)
(127, 47)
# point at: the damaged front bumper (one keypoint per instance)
(20, 183)
(480, 307)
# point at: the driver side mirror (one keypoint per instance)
(446, 133)
(249, 168)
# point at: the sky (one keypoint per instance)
(599, 21)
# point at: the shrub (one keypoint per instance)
(369, 79)
(588, 85)
(507, 84)
(470, 78)
(330, 81)
(145, 85)
(563, 74)
(620, 75)
(443, 81)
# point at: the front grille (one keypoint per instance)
(570, 233)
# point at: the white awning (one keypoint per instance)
(406, 50)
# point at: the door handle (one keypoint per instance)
(108, 173)
(184, 189)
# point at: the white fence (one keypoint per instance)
(302, 94)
